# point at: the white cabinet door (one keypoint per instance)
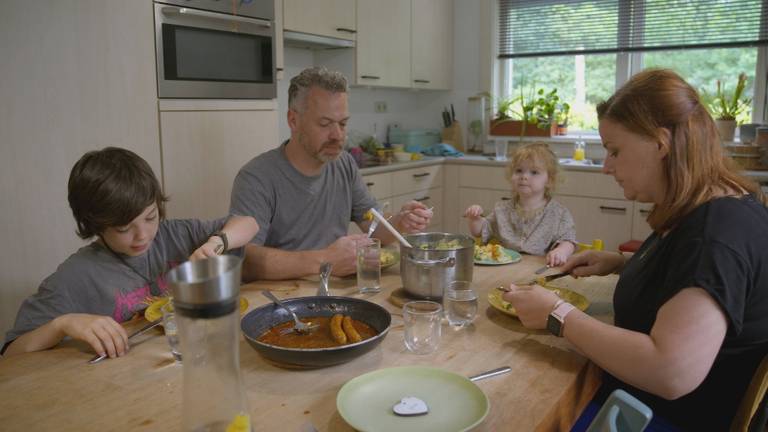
(334, 18)
(640, 228)
(202, 153)
(383, 43)
(597, 218)
(432, 44)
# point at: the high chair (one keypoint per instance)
(597, 244)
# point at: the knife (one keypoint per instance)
(539, 280)
(453, 114)
(146, 328)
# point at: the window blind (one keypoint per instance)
(536, 28)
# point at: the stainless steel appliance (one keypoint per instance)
(212, 49)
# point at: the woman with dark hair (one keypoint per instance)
(691, 305)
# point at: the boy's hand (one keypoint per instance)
(103, 333)
(208, 249)
(473, 212)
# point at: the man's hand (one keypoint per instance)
(103, 333)
(413, 217)
(341, 254)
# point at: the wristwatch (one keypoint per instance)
(556, 318)
(224, 243)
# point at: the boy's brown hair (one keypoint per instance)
(110, 188)
(538, 152)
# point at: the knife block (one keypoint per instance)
(452, 135)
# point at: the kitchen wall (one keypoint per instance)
(413, 108)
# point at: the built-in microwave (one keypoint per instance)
(212, 49)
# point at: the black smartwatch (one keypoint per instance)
(224, 242)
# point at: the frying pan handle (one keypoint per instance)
(443, 262)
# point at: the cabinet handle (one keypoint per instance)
(644, 211)
(345, 30)
(369, 184)
(618, 209)
(420, 175)
(369, 77)
(422, 199)
(421, 81)
(505, 198)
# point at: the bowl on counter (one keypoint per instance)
(402, 156)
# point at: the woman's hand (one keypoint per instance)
(589, 263)
(209, 249)
(532, 303)
(473, 212)
(103, 333)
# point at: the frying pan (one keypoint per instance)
(259, 320)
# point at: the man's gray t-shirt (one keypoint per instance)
(94, 281)
(298, 212)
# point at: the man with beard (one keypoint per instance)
(305, 192)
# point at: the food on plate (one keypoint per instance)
(349, 329)
(442, 245)
(319, 338)
(336, 331)
(387, 257)
(490, 252)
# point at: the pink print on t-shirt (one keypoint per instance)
(127, 304)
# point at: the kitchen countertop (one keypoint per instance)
(474, 159)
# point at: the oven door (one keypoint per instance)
(210, 55)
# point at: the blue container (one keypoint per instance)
(414, 140)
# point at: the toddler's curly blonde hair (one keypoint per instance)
(540, 154)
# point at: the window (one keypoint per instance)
(584, 48)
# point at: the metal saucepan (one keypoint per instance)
(427, 271)
(258, 321)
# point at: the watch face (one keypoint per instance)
(554, 325)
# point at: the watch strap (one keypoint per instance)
(225, 243)
(561, 309)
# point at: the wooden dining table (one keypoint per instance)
(57, 389)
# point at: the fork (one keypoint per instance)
(298, 326)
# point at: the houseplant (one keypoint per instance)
(531, 115)
(562, 116)
(726, 108)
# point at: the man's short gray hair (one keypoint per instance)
(321, 77)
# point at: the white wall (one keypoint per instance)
(410, 108)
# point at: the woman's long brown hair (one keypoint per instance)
(695, 169)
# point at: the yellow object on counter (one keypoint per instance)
(415, 156)
(241, 423)
(597, 244)
(578, 154)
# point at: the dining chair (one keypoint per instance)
(752, 414)
(621, 412)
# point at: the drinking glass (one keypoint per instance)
(171, 330)
(501, 149)
(422, 326)
(460, 303)
(369, 265)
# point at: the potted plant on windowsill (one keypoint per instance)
(725, 109)
(563, 113)
(526, 116)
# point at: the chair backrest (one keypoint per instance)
(751, 414)
(621, 412)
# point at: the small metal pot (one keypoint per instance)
(426, 271)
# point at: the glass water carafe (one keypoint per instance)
(477, 123)
(206, 299)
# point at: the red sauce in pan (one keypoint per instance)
(318, 338)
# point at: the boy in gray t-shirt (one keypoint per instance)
(115, 196)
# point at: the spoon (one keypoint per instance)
(298, 326)
(325, 273)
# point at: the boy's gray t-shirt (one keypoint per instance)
(94, 281)
(298, 212)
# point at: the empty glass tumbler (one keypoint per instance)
(422, 326)
(369, 265)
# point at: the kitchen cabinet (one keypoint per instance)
(333, 18)
(599, 218)
(383, 53)
(204, 150)
(432, 44)
(423, 184)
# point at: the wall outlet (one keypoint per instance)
(380, 107)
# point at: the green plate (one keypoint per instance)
(572, 297)
(455, 403)
(510, 256)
